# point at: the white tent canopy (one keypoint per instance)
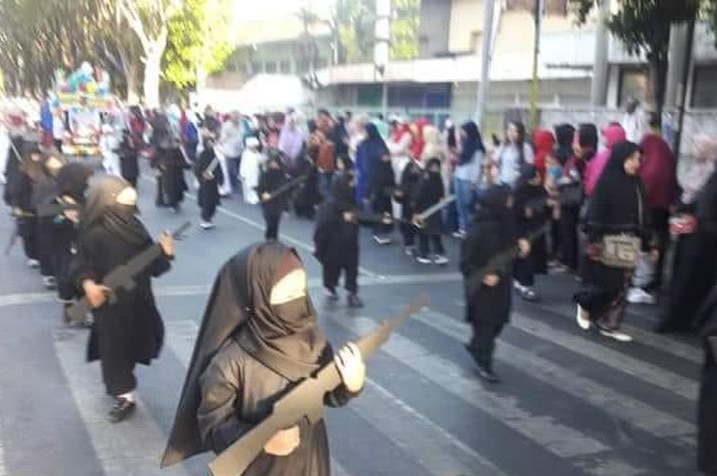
(262, 93)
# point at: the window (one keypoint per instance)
(703, 90)
(634, 83)
(285, 67)
(270, 67)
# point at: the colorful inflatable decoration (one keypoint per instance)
(87, 86)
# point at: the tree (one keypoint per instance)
(644, 28)
(149, 20)
(404, 29)
(198, 42)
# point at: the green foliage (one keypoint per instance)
(404, 29)
(198, 41)
(355, 20)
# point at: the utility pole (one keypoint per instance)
(683, 85)
(598, 89)
(535, 87)
(486, 58)
(381, 49)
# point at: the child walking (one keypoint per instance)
(271, 179)
(430, 191)
(486, 264)
(210, 177)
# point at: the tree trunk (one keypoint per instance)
(152, 67)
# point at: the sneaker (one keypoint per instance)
(519, 287)
(33, 263)
(583, 318)
(331, 294)
(206, 225)
(382, 240)
(460, 234)
(488, 375)
(410, 250)
(618, 336)
(529, 294)
(640, 296)
(48, 282)
(440, 260)
(354, 301)
(424, 260)
(121, 410)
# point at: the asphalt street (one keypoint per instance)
(570, 404)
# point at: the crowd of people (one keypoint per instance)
(575, 200)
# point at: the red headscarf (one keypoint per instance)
(418, 142)
(544, 141)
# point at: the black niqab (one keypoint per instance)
(72, 181)
(102, 209)
(239, 296)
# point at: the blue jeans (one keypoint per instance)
(465, 202)
(325, 180)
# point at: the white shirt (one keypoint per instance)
(508, 159)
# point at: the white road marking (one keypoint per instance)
(429, 444)
(200, 290)
(132, 447)
(617, 404)
(562, 441)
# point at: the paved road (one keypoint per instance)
(570, 405)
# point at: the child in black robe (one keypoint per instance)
(23, 172)
(336, 240)
(429, 192)
(272, 177)
(72, 182)
(531, 215)
(259, 337)
(44, 193)
(405, 195)
(128, 331)
(129, 166)
(487, 256)
(210, 177)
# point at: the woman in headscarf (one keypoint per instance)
(259, 337)
(531, 215)
(696, 227)
(128, 330)
(419, 142)
(336, 239)
(571, 193)
(128, 156)
(612, 134)
(307, 195)
(467, 174)
(487, 281)
(564, 134)
(544, 147)
(616, 207)
(380, 180)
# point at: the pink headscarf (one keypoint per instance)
(613, 134)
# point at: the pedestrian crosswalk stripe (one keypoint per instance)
(560, 440)
(204, 289)
(618, 404)
(683, 350)
(644, 371)
(130, 447)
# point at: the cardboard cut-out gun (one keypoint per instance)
(123, 276)
(419, 221)
(305, 401)
(286, 187)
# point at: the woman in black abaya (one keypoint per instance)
(258, 338)
(706, 323)
(616, 207)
